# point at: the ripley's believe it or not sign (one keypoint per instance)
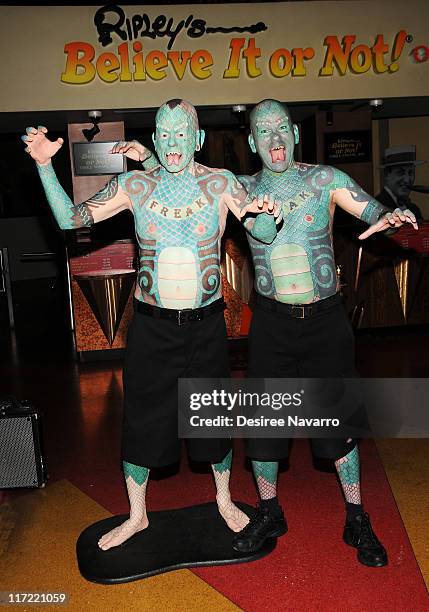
(129, 62)
(134, 56)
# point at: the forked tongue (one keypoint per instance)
(173, 159)
(277, 154)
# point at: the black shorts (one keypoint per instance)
(158, 353)
(318, 346)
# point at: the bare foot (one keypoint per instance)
(122, 533)
(235, 518)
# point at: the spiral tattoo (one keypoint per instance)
(141, 185)
(318, 177)
(214, 186)
(209, 265)
(147, 253)
(323, 263)
(263, 277)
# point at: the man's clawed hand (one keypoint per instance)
(38, 146)
(391, 220)
(132, 149)
(264, 203)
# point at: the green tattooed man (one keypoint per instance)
(178, 328)
(299, 327)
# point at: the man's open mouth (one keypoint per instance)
(277, 154)
(173, 159)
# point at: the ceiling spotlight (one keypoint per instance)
(239, 108)
(95, 116)
(240, 112)
(376, 102)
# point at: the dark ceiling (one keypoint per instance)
(219, 116)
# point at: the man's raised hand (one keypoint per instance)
(390, 220)
(133, 150)
(264, 203)
(38, 146)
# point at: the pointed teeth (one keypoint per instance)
(278, 154)
(173, 158)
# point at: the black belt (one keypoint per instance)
(179, 316)
(298, 311)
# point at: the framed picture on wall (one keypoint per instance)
(348, 147)
(93, 158)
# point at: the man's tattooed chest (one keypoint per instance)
(177, 217)
(298, 266)
(179, 236)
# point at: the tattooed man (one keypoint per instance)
(299, 327)
(178, 329)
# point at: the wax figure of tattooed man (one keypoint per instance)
(299, 326)
(178, 328)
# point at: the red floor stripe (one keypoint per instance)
(310, 570)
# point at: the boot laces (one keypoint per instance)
(258, 521)
(367, 536)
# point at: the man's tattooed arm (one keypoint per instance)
(262, 225)
(151, 162)
(249, 182)
(349, 196)
(354, 200)
(104, 204)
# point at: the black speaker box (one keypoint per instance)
(21, 452)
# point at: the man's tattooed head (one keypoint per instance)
(177, 135)
(273, 135)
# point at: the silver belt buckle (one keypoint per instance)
(179, 316)
(301, 310)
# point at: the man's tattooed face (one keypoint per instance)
(273, 135)
(177, 135)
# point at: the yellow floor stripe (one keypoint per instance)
(38, 533)
(407, 467)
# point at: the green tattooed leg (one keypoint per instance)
(232, 515)
(224, 465)
(138, 473)
(348, 469)
(136, 478)
(266, 478)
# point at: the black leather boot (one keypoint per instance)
(262, 526)
(358, 533)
